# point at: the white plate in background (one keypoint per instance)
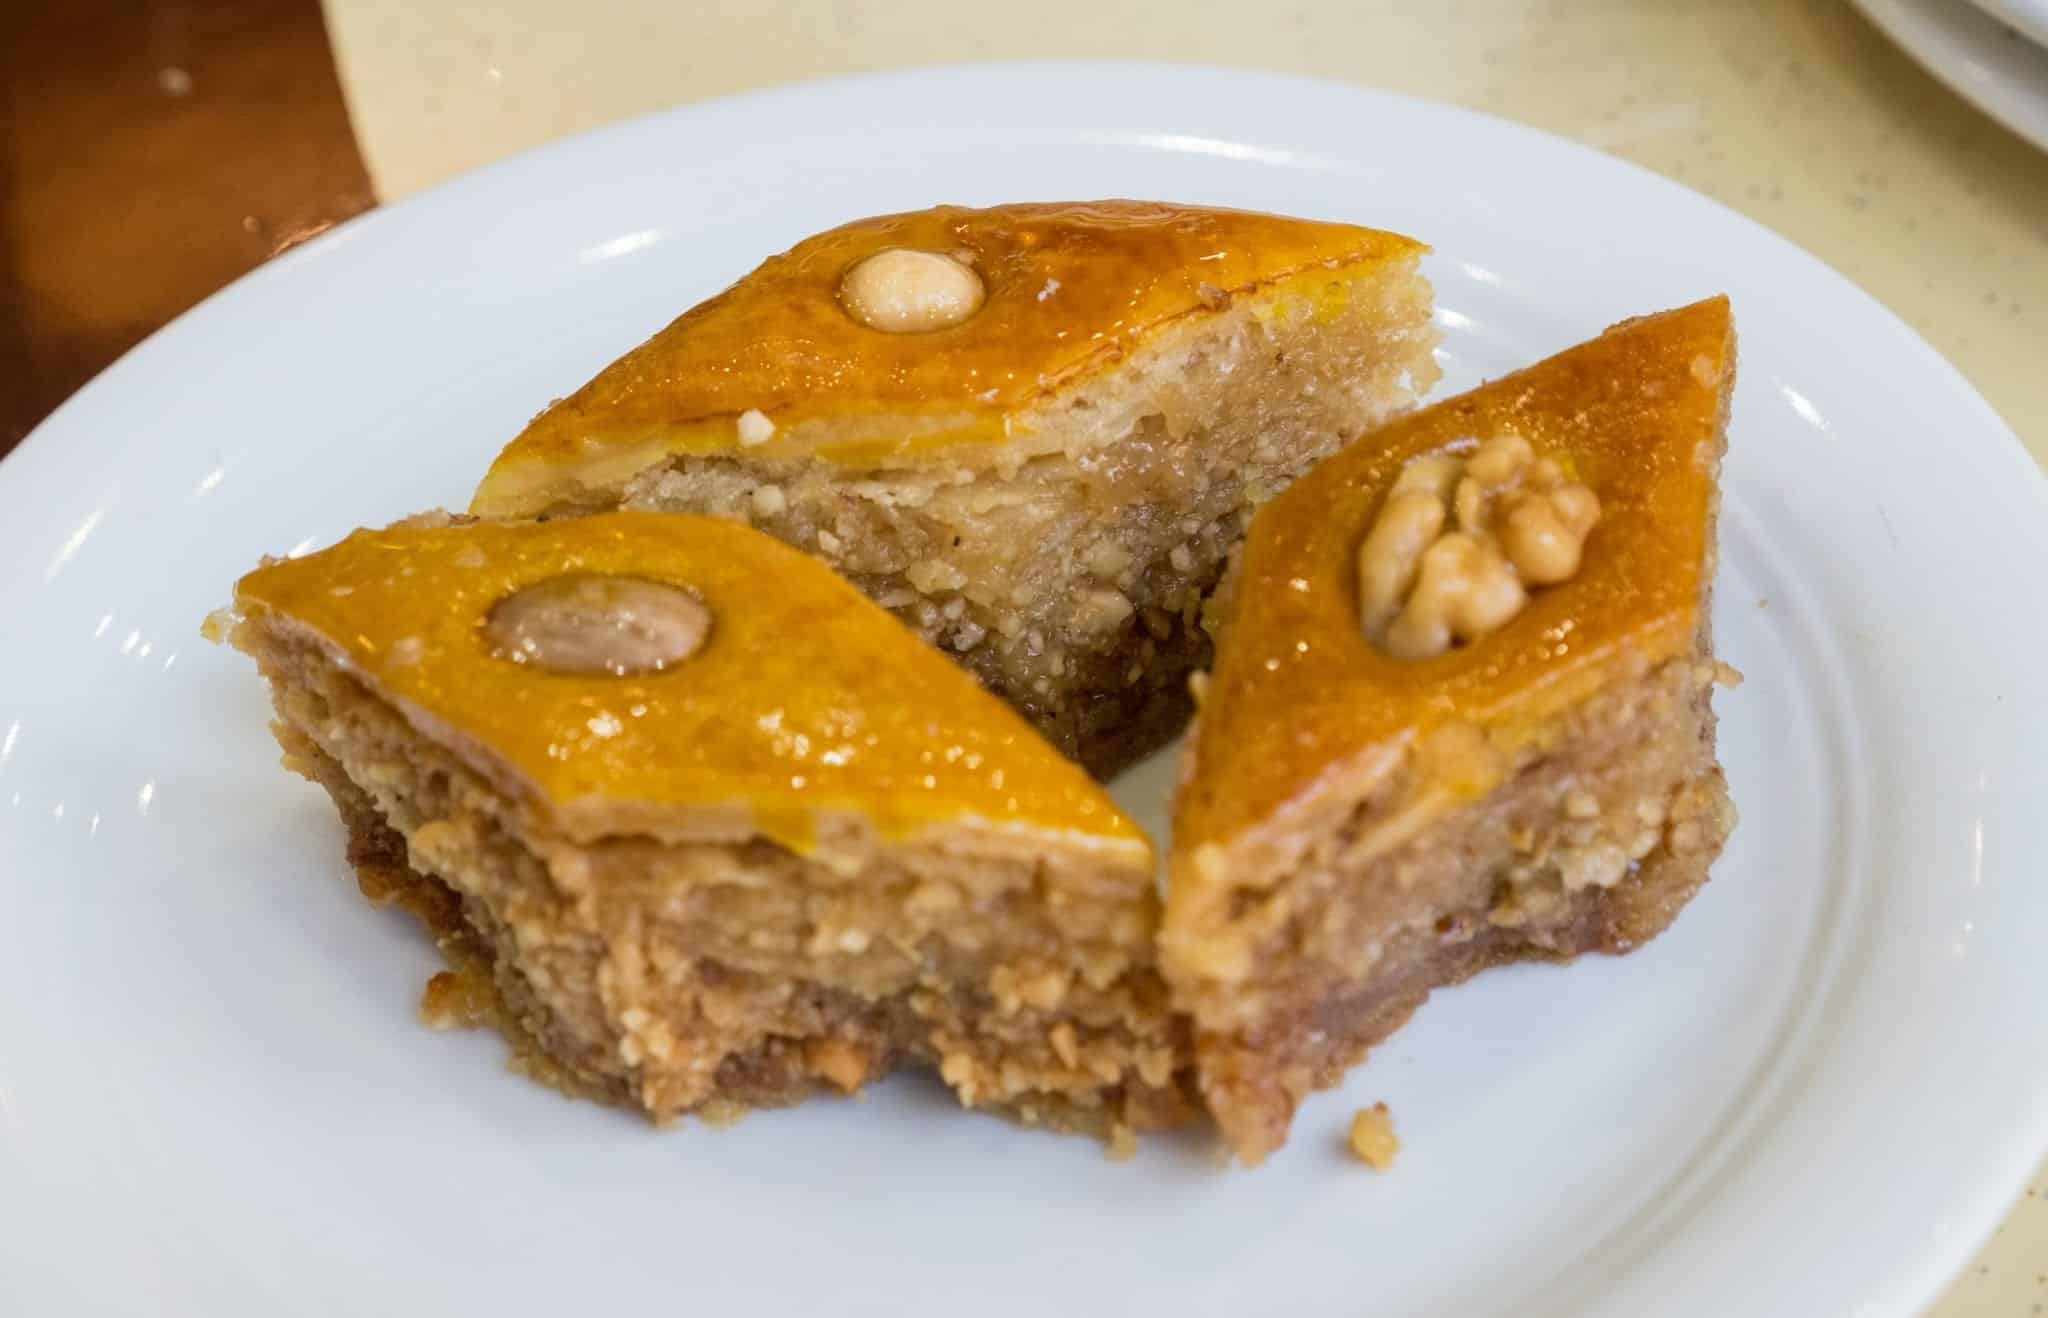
(1814, 1095)
(2029, 18)
(1986, 62)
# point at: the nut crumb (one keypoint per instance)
(837, 1061)
(1372, 1137)
(1123, 1143)
(1100, 610)
(216, 625)
(768, 500)
(1065, 1045)
(454, 1002)
(934, 575)
(755, 427)
(721, 1113)
(1107, 560)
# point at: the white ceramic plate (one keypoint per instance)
(1813, 1096)
(2029, 18)
(1989, 64)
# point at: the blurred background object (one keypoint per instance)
(2027, 17)
(150, 152)
(1989, 54)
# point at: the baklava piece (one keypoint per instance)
(1034, 432)
(1459, 713)
(717, 828)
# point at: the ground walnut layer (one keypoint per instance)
(1460, 713)
(1033, 432)
(661, 947)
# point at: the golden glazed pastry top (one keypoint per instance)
(1068, 288)
(804, 703)
(1635, 414)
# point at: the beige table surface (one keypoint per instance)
(1796, 112)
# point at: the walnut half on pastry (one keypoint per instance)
(1460, 712)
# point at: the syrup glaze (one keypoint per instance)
(805, 701)
(1070, 288)
(1636, 414)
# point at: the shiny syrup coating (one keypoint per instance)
(1636, 414)
(1070, 287)
(805, 700)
